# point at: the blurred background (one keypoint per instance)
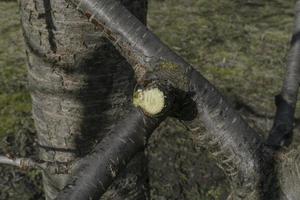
(239, 45)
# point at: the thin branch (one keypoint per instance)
(23, 163)
(282, 130)
(29, 164)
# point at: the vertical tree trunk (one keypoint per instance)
(79, 86)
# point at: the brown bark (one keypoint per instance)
(79, 86)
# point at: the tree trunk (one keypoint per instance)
(79, 86)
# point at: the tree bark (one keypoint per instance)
(80, 86)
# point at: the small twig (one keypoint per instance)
(28, 164)
(23, 163)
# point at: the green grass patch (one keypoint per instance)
(15, 105)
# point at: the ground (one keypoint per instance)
(241, 46)
(16, 126)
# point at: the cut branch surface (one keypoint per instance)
(151, 101)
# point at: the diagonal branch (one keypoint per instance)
(282, 130)
(97, 170)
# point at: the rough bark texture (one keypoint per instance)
(79, 85)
